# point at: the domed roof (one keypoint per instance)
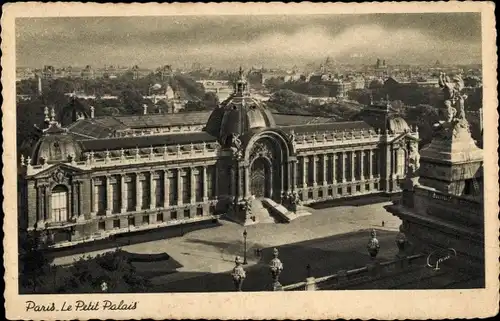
(239, 113)
(56, 145)
(398, 125)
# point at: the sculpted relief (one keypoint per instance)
(261, 149)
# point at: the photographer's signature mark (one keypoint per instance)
(439, 256)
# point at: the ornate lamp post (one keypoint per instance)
(238, 274)
(275, 266)
(245, 247)
(373, 245)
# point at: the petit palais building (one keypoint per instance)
(108, 175)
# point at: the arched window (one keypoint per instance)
(59, 203)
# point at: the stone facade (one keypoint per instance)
(122, 184)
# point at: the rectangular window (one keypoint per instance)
(199, 211)
(116, 223)
(338, 167)
(116, 197)
(330, 191)
(328, 169)
(310, 177)
(358, 188)
(211, 210)
(375, 162)
(101, 199)
(375, 186)
(339, 191)
(130, 190)
(310, 194)
(186, 189)
(319, 170)
(159, 217)
(348, 165)
(349, 190)
(159, 191)
(173, 189)
(187, 213)
(198, 189)
(145, 219)
(101, 225)
(366, 167)
(367, 187)
(146, 196)
(211, 182)
(320, 193)
(173, 215)
(131, 221)
(59, 199)
(357, 165)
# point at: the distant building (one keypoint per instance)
(48, 72)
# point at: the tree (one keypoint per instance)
(34, 264)
(87, 275)
(132, 101)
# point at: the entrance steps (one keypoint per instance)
(281, 212)
(260, 213)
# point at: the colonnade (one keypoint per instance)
(336, 167)
(165, 188)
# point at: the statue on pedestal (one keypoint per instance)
(453, 110)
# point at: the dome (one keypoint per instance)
(56, 145)
(238, 114)
(398, 125)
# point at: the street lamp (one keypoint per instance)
(245, 247)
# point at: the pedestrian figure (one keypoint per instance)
(383, 223)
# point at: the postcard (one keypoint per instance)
(250, 160)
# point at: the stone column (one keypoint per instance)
(353, 166)
(166, 186)
(292, 174)
(152, 190)
(247, 181)
(315, 170)
(74, 199)
(123, 194)
(233, 182)
(41, 204)
(370, 163)
(361, 165)
(48, 207)
(325, 169)
(109, 195)
(95, 197)
(334, 168)
(138, 192)
(343, 156)
(305, 171)
(180, 191)
(80, 196)
(192, 184)
(205, 184)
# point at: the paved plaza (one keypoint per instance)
(212, 250)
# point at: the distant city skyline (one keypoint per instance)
(226, 42)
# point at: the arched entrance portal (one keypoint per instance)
(260, 179)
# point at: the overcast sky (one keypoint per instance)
(228, 41)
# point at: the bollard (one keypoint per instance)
(310, 284)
